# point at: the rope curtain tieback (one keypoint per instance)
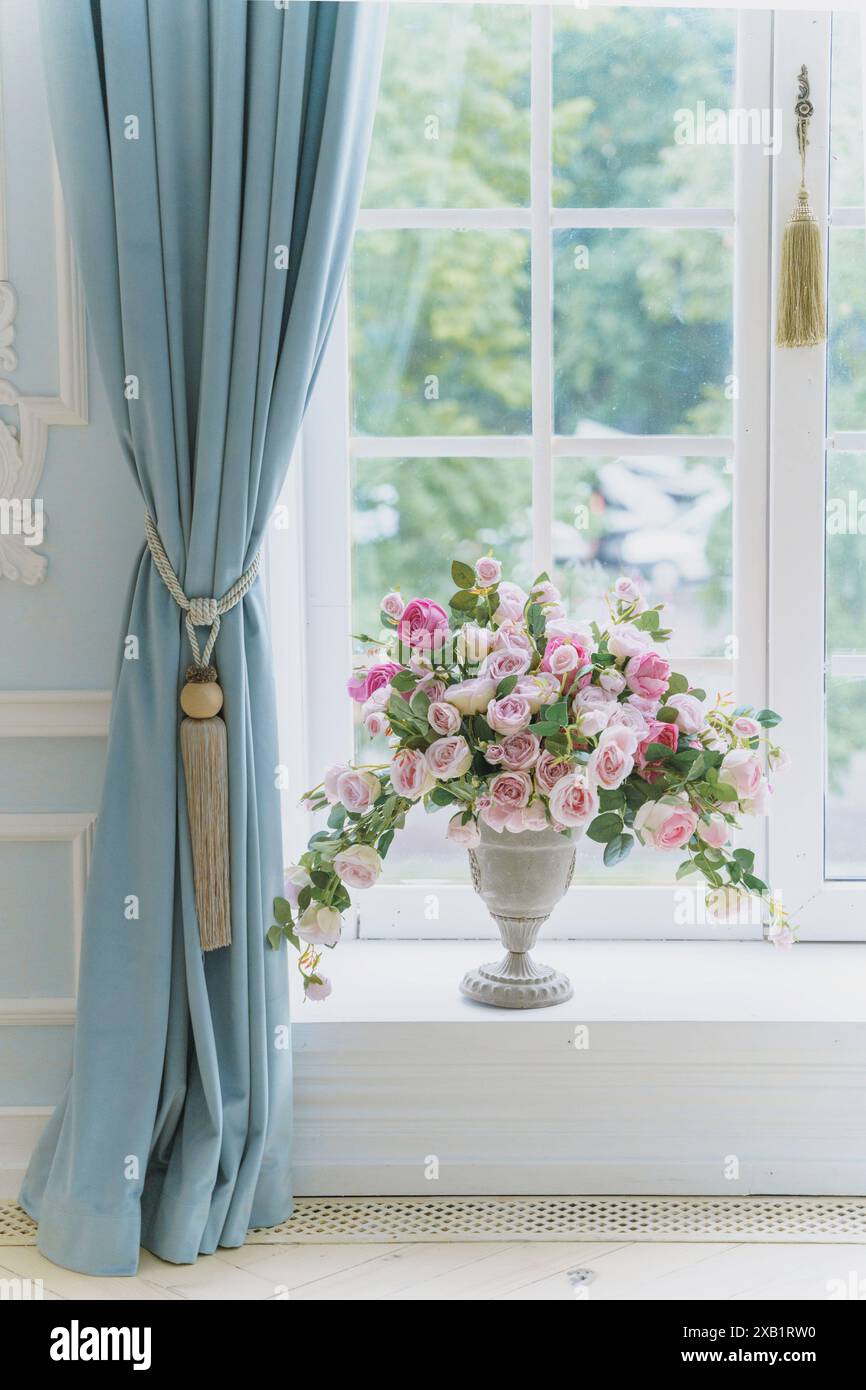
(204, 746)
(200, 612)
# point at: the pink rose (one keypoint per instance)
(362, 687)
(759, 804)
(512, 601)
(359, 866)
(410, 774)
(666, 734)
(357, 790)
(496, 817)
(573, 801)
(332, 777)
(612, 681)
(444, 719)
(512, 636)
(472, 696)
(620, 734)
(392, 606)
(648, 708)
(714, 832)
(320, 926)
(532, 817)
(318, 989)
(592, 708)
(473, 643)
(519, 751)
(295, 878)
(609, 765)
(647, 675)
(578, 632)
(627, 641)
(376, 723)
(541, 688)
(628, 591)
(500, 664)
(665, 826)
(781, 935)
(546, 593)
(494, 753)
(744, 727)
(432, 687)
(690, 712)
(629, 717)
(511, 790)
(487, 571)
(448, 758)
(423, 624)
(741, 769)
(467, 835)
(564, 657)
(509, 715)
(549, 770)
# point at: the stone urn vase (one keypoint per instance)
(520, 878)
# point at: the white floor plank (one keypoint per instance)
(505, 1269)
(209, 1277)
(623, 1272)
(67, 1283)
(400, 1269)
(290, 1267)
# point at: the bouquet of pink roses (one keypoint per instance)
(509, 712)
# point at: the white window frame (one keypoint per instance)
(762, 623)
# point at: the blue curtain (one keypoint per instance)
(194, 141)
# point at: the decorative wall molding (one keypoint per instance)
(74, 828)
(54, 713)
(23, 446)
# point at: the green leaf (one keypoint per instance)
(420, 703)
(535, 619)
(746, 857)
(605, 827)
(611, 800)
(722, 792)
(337, 818)
(440, 796)
(689, 867)
(655, 751)
(404, 680)
(667, 714)
(543, 578)
(698, 693)
(505, 686)
(647, 621)
(769, 718)
(463, 575)
(463, 601)
(282, 911)
(275, 936)
(305, 897)
(757, 885)
(677, 684)
(557, 714)
(617, 848)
(385, 843)
(543, 728)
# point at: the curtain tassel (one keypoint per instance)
(801, 314)
(204, 748)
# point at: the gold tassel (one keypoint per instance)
(801, 317)
(204, 748)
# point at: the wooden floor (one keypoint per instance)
(523, 1270)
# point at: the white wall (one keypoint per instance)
(63, 634)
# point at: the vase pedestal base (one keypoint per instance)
(517, 982)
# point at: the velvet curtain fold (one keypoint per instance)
(211, 156)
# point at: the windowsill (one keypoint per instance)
(614, 981)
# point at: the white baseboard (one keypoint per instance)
(20, 1127)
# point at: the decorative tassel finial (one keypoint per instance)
(801, 316)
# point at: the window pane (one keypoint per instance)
(452, 120)
(846, 654)
(642, 331)
(636, 93)
(663, 519)
(846, 114)
(440, 333)
(845, 844)
(846, 379)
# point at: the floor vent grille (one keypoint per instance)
(338, 1220)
